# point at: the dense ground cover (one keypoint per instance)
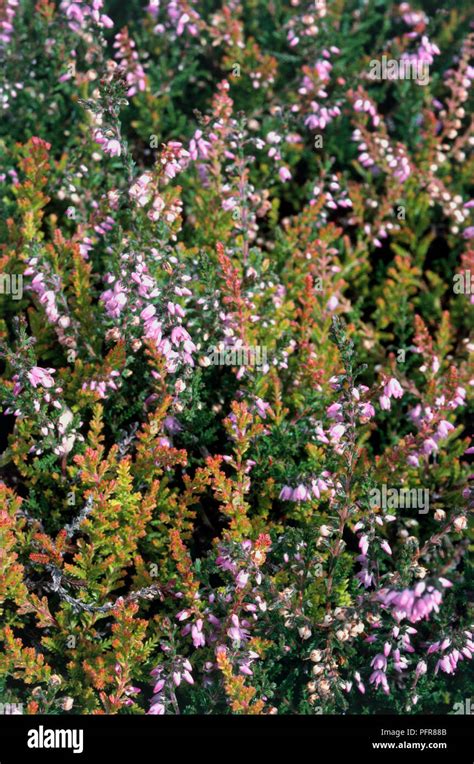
(236, 313)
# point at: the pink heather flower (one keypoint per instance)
(379, 662)
(386, 547)
(444, 428)
(379, 678)
(198, 147)
(178, 335)
(42, 377)
(236, 632)
(334, 411)
(158, 686)
(153, 330)
(332, 303)
(148, 312)
(17, 387)
(364, 544)
(284, 174)
(367, 410)
(114, 299)
(157, 709)
(262, 407)
(393, 389)
(412, 604)
(445, 665)
(129, 63)
(336, 432)
(229, 204)
(286, 493)
(300, 493)
(421, 668)
(429, 446)
(321, 435)
(444, 582)
(174, 309)
(322, 484)
(157, 208)
(241, 579)
(140, 191)
(384, 401)
(197, 635)
(113, 147)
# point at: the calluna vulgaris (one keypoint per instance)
(181, 181)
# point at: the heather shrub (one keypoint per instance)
(236, 323)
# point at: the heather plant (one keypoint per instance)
(236, 315)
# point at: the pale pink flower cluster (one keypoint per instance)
(79, 13)
(109, 143)
(434, 428)
(412, 18)
(130, 64)
(141, 190)
(181, 670)
(137, 289)
(425, 53)
(114, 299)
(414, 604)
(394, 157)
(273, 140)
(399, 164)
(183, 17)
(321, 116)
(379, 664)
(365, 105)
(334, 436)
(305, 492)
(391, 389)
(53, 301)
(304, 25)
(179, 345)
(449, 662)
(104, 385)
(174, 158)
(199, 146)
(47, 297)
(335, 196)
(237, 632)
(7, 16)
(322, 69)
(40, 377)
(57, 434)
